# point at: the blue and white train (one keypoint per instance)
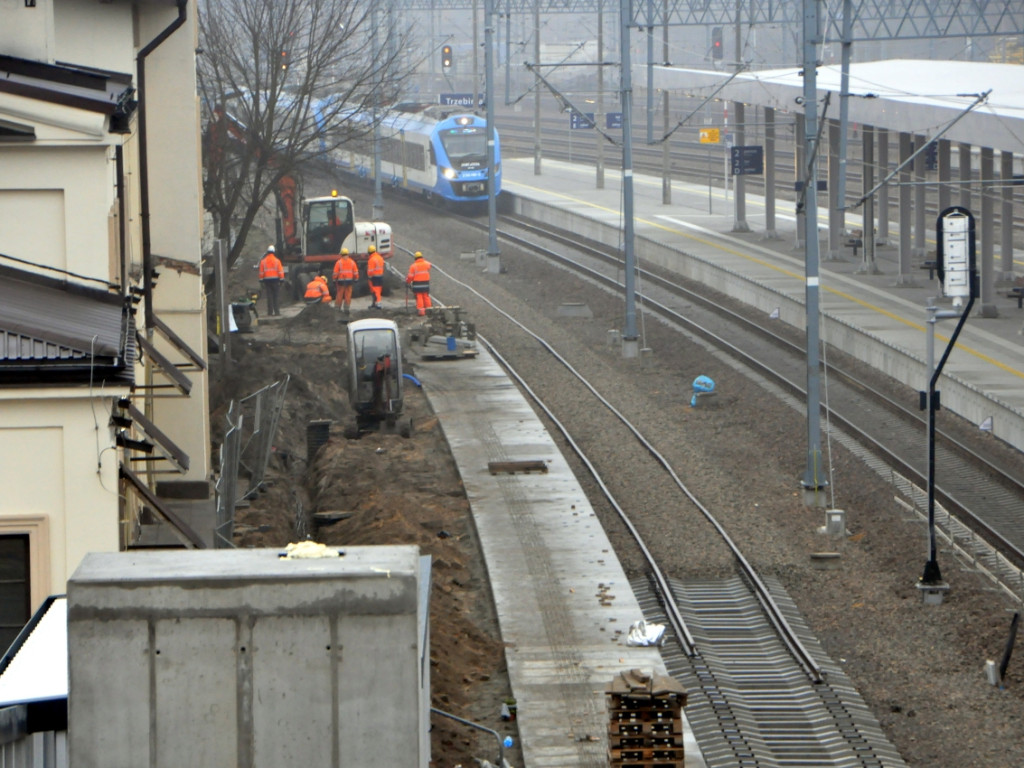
(441, 156)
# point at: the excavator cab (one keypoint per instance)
(375, 378)
(328, 221)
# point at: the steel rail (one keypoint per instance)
(806, 661)
(1013, 482)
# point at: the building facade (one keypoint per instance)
(103, 386)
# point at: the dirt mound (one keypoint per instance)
(378, 490)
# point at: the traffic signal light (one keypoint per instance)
(716, 42)
(446, 56)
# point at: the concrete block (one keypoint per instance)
(241, 657)
(826, 561)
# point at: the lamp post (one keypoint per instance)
(956, 265)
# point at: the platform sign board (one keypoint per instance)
(578, 121)
(709, 136)
(613, 120)
(746, 161)
(956, 260)
(798, 186)
(459, 99)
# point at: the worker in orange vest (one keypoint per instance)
(346, 272)
(375, 273)
(271, 275)
(317, 290)
(419, 278)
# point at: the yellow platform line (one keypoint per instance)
(769, 265)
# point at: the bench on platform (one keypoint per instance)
(1017, 292)
(930, 265)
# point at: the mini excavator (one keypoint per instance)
(375, 378)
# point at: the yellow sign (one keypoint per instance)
(708, 135)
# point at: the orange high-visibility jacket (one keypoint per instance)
(346, 270)
(271, 268)
(375, 266)
(419, 272)
(317, 289)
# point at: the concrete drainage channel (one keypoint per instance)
(749, 702)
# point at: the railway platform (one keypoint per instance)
(563, 601)
(868, 311)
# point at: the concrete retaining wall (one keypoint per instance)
(242, 658)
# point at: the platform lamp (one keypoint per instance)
(956, 265)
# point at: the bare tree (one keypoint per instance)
(283, 83)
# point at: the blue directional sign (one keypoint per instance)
(576, 120)
(747, 160)
(613, 120)
(459, 99)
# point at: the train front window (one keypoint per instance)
(466, 147)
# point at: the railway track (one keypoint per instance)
(718, 723)
(759, 696)
(985, 490)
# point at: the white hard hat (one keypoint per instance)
(270, 249)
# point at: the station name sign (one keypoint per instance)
(459, 100)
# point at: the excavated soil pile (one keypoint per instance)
(380, 489)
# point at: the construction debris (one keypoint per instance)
(443, 334)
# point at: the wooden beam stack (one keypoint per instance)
(645, 721)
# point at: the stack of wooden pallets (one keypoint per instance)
(645, 721)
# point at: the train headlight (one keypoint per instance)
(448, 173)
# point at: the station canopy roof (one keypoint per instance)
(902, 95)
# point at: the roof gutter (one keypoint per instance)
(147, 254)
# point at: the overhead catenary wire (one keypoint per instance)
(978, 99)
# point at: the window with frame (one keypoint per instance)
(15, 586)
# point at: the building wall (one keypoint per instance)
(176, 218)
(55, 204)
(96, 34)
(59, 208)
(27, 33)
(58, 471)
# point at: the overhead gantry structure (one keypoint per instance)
(872, 19)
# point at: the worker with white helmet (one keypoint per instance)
(271, 275)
